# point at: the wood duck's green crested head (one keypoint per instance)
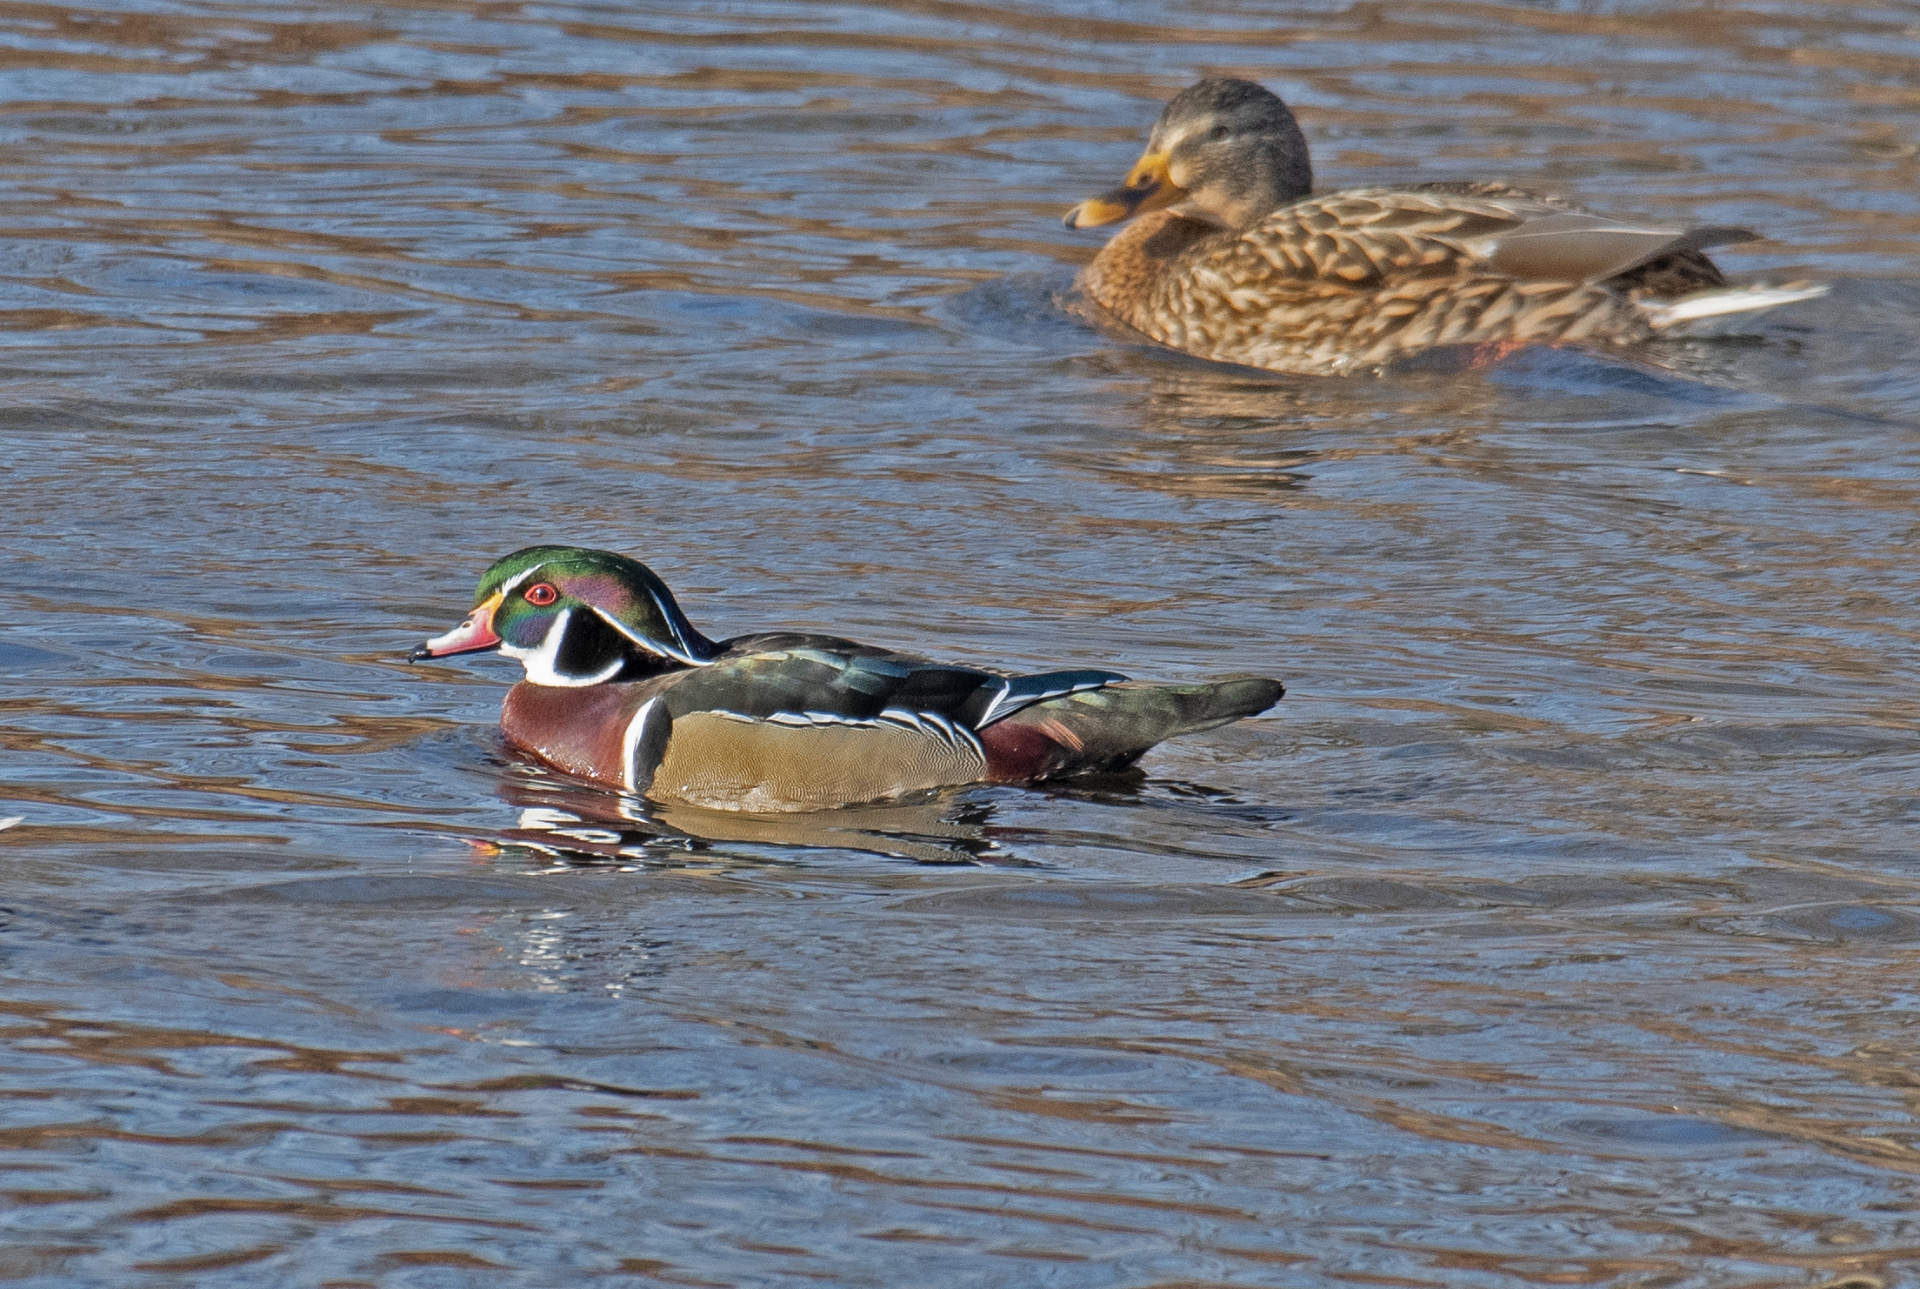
(1224, 151)
(574, 617)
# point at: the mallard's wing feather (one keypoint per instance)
(1371, 234)
(1358, 278)
(1576, 246)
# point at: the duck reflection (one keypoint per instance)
(1220, 427)
(572, 826)
(1207, 431)
(576, 825)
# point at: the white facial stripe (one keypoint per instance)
(672, 624)
(539, 662)
(543, 657)
(518, 578)
(652, 646)
(630, 745)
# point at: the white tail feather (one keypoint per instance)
(1729, 299)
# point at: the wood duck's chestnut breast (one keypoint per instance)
(579, 731)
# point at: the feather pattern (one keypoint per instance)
(1354, 280)
(785, 720)
(1232, 258)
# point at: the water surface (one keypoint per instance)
(1559, 928)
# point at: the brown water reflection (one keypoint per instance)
(1556, 931)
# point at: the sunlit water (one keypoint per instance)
(1561, 927)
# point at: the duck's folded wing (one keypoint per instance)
(784, 722)
(793, 676)
(1575, 246)
(1364, 236)
(797, 675)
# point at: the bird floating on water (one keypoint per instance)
(621, 688)
(1231, 257)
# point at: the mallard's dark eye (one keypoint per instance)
(542, 594)
(1218, 133)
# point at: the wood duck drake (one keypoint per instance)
(1235, 260)
(621, 689)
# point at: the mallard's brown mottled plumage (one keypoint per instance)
(1232, 259)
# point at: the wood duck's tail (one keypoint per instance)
(1110, 727)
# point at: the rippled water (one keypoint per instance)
(1561, 927)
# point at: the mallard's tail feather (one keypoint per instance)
(1730, 299)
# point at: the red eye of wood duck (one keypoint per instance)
(621, 689)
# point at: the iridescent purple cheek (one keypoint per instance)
(526, 629)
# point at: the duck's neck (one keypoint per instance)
(1123, 274)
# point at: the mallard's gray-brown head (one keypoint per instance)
(1224, 151)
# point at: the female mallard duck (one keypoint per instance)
(621, 688)
(1238, 262)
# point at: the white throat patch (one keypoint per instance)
(539, 662)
